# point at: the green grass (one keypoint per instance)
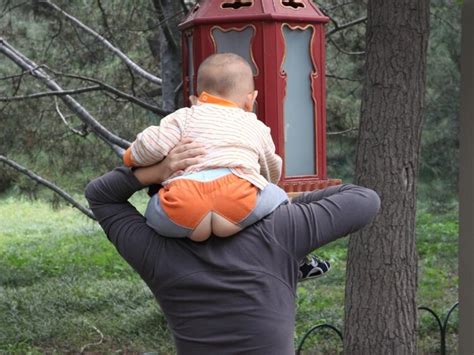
(63, 287)
(322, 301)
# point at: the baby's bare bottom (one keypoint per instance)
(214, 224)
(220, 206)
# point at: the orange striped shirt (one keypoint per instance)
(233, 138)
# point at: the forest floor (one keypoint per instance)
(64, 288)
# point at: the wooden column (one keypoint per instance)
(466, 188)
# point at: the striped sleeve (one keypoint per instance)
(155, 142)
(270, 162)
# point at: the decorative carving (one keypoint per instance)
(293, 4)
(237, 4)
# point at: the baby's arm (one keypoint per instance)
(155, 142)
(270, 162)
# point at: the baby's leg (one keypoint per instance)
(203, 230)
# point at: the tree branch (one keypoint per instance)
(104, 18)
(50, 93)
(338, 27)
(115, 91)
(343, 50)
(12, 7)
(54, 36)
(342, 132)
(48, 184)
(82, 133)
(335, 7)
(134, 66)
(342, 78)
(15, 76)
(28, 65)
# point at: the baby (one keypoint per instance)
(235, 184)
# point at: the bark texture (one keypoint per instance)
(170, 49)
(380, 305)
(466, 190)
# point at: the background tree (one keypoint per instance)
(39, 131)
(381, 279)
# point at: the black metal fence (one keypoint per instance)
(442, 325)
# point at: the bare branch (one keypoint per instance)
(341, 5)
(115, 91)
(48, 184)
(134, 66)
(28, 65)
(342, 132)
(15, 76)
(157, 25)
(338, 27)
(132, 82)
(104, 18)
(336, 77)
(51, 93)
(343, 50)
(119, 151)
(54, 36)
(12, 7)
(99, 87)
(82, 133)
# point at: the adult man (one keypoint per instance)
(226, 295)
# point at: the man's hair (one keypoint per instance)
(226, 75)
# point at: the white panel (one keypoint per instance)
(235, 41)
(298, 105)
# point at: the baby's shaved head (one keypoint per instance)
(227, 75)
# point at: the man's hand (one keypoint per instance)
(185, 154)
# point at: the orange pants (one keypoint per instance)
(187, 202)
(181, 206)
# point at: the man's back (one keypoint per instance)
(231, 295)
(227, 293)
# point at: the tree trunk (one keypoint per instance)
(170, 49)
(466, 190)
(380, 306)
